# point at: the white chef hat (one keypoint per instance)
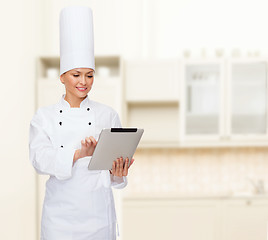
(76, 38)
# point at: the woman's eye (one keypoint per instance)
(90, 76)
(76, 75)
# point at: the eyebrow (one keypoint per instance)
(87, 72)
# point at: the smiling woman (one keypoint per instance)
(78, 203)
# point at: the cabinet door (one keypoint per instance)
(248, 98)
(202, 98)
(160, 122)
(170, 219)
(245, 219)
(152, 80)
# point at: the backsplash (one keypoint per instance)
(195, 172)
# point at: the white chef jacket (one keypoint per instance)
(78, 203)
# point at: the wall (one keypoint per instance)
(164, 29)
(17, 179)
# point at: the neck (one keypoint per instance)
(74, 101)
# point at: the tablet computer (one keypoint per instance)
(114, 143)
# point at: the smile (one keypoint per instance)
(81, 89)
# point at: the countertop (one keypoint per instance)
(168, 196)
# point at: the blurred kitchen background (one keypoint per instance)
(192, 73)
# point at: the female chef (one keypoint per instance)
(78, 203)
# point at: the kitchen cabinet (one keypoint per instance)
(245, 219)
(247, 98)
(151, 80)
(201, 100)
(151, 100)
(160, 121)
(170, 219)
(202, 103)
(197, 218)
(188, 103)
(224, 103)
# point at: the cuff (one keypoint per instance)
(64, 163)
(118, 182)
(88, 158)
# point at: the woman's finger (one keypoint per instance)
(125, 171)
(121, 163)
(88, 141)
(113, 168)
(117, 167)
(126, 163)
(93, 140)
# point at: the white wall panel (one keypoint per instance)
(17, 178)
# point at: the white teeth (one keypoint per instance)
(82, 88)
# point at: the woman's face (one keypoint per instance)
(78, 81)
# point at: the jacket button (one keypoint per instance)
(88, 109)
(61, 146)
(89, 123)
(60, 111)
(60, 123)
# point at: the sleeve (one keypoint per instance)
(117, 182)
(45, 158)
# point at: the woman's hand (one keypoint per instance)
(87, 148)
(120, 168)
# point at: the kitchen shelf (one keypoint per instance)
(106, 66)
(107, 82)
(44, 63)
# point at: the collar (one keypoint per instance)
(84, 104)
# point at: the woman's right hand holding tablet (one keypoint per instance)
(87, 148)
(120, 167)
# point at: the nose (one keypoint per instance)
(83, 80)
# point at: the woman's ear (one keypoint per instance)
(62, 78)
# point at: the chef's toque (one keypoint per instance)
(76, 38)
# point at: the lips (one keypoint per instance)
(81, 89)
